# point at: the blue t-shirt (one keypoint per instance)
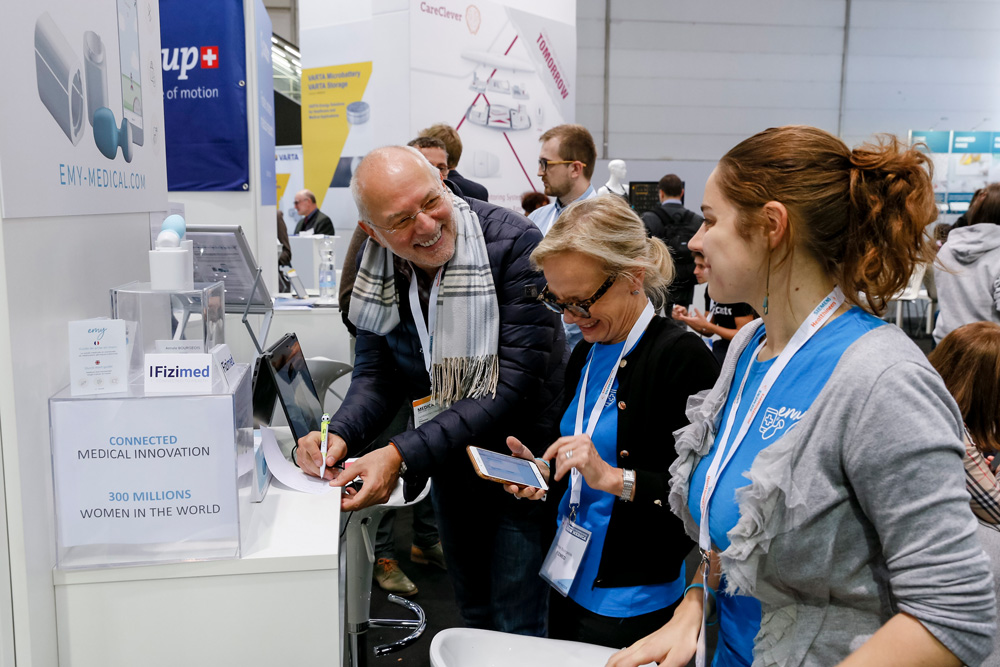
(595, 508)
(802, 380)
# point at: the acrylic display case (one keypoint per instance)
(164, 321)
(150, 479)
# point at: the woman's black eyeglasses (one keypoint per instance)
(578, 308)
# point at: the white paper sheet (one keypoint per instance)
(285, 471)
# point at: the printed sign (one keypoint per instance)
(83, 101)
(184, 373)
(153, 470)
(501, 77)
(98, 356)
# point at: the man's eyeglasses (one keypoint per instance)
(430, 206)
(543, 164)
(577, 308)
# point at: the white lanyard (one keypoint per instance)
(820, 315)
(636, 332)
(425, 332)
(817, 318)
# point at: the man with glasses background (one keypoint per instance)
(445, 304)
(565, 165)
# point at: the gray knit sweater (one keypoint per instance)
(858, 512)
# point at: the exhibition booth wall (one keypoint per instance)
(82, 174)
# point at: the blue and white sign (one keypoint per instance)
(937, 141)
(149, 471)
(204, 94)
(179, 373)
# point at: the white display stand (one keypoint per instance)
(306, 255)
(246, 612)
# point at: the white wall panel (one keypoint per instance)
(708, 120)
(689, 79)
(738, 12)
(926, 70)
(967, 16)
(708, 65)
(646, 145)
(929, 41)
(732, 93)
(726, 38)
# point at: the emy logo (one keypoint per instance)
(185, 58)
(776, 420)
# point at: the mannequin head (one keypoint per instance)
(617, 169)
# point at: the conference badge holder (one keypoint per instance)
(565, 555)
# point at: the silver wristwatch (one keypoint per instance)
(628, 485)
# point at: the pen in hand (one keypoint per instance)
(324, 427)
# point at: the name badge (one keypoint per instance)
(565, 555)
(424, 410)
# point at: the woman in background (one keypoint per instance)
(967, 271)
(968, 360)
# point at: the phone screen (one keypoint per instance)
(512, 469)
(128, 48)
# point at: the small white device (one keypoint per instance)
(506, 469)
(59, 77)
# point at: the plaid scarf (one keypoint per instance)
(468, 317)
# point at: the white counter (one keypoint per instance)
(245, 612)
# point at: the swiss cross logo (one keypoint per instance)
(209, 57)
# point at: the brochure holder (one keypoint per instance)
(150, 479)
(170, 318)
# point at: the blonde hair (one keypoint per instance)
(606, 229)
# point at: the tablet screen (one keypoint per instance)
(295, 386)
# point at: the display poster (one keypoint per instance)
(963, 163)
(156, 470)
(83, 117)
(336, 125)
(205, 94)
(500, 76)
(265, 103)
(289, 174)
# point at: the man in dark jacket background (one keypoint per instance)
(675, 225)
(312, 218)
(494, 545)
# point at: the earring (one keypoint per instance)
(634, 292)
(767, 285)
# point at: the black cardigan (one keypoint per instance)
(646, 544)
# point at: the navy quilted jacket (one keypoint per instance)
(532, 352)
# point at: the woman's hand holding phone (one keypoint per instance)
(520, 451)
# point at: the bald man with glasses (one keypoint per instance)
(445, 304)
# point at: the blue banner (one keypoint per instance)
(937, 141)
(971, 142)
(204, 94)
